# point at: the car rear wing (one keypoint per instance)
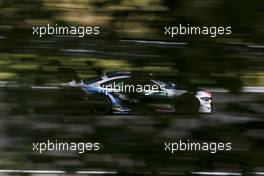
(110, 74)
(66, 74)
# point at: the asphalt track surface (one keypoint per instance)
(130, 145)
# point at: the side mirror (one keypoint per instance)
(170, 85)
(173, 85)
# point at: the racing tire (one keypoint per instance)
(100, 104)
(187, 104)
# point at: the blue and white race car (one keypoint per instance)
(124, 92)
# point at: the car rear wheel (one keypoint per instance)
(100, 104)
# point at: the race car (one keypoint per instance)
(123, 92)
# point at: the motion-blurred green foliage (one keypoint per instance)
(229, 57)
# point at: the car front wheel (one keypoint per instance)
(187, 104)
